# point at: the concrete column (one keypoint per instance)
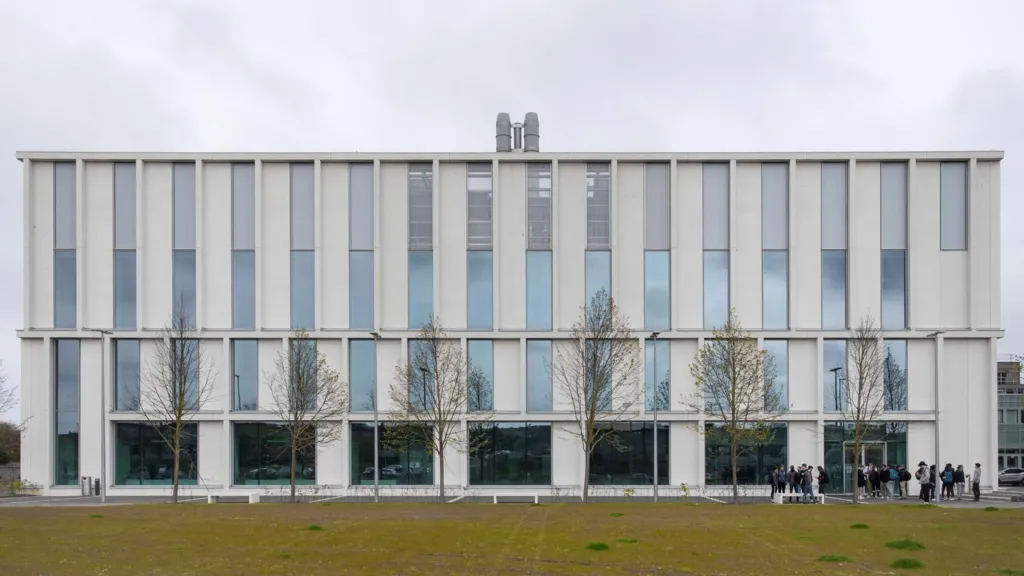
(200, 252)
(140, 246)
(377, 292)
(27, 245)
(939, 379)
(495, 247)
(318, 246)
(258, 240)
(556, 195)
(675, 257)
(733, 238)
(435, 206)
(79, 243)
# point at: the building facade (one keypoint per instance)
(504, 248)
(1011, 412)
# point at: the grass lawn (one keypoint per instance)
(469, 539)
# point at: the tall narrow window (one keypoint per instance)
(538, 245)
(599, 256)
(657, 374)
(778, 352)
(422, 370)
(775, 246)
(360, 257)
(481, 375)
(833, 376)
(184, 249)
(303, 227)
(833, 246)
(657, 246)
(246, 384)
(362, 374)
(479, 260)
(67, 373)
(894, 245)
(126, 374)
(716, 245)
(421, 244)
(953, 205)
(538, 375)
(243, 246)
(65, 273)
(124, 246)
(894, 372)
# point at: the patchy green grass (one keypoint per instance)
(616, 514)
(390, 538)
(313, 528)
(991, 509)
(833, 558)
(906, 564)
(1009, 572)
(95, 515)
(908, 545)
(859, 526)
(598, 546)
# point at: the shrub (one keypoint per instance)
(908, 545)
(859, 526)
(313, 528)
(833, 558)
(906, 564)
(599, 546)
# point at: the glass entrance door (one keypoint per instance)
(870, 453)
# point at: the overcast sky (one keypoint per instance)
(677, 75)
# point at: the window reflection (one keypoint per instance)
(626, 456)
(408, 464)
(65, 276)
(143, 456)
(184, 286)
(657, 300)
(538, 375)
(657, 373)
(126, 374)
(243, 289)
(124, 290)
(245, 355)
(481, 375)
(894, 371)
(754, 464)
(67, 394)
(362, 374)
(421, 288)
(833, 289)
(778, 352)
(775, 290)
(479, 293)
(302, 290)
(598, 273)
(360, 283)
(263, 456)
(510, 454)
(538, 290)
(716, 288)
(894, 289)
(834, 375)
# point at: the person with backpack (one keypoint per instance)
(808, 483)
(904, 482)
(883, 481)
(947, 483)
(924, 477)
(874, 479)
(959, 480)
(893, 481)
(862, 482)
(822, 480)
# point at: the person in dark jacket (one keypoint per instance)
(925, 478)
(822, 480)
(780, 479)
(773, 481)
(958, 481)
(874, 478)
(905, 477)
(793, 479)
(947, 482)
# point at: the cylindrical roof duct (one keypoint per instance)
(531, 133)
(503, 133)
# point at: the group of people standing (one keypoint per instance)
(951, 481)
(885, 483)
(800, 480)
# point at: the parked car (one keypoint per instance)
(1012, 476)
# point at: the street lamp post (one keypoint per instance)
(376, 425)
(654, 337)
(103, 409)
(835, 385)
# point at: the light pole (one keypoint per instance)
(238, 395)
(835, 385)
(103, 409)
(654, 337)
(376, 441)
(938, 362)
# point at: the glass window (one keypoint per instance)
(953, 205)
(421, 288)
(124, 206)
(421, 374)
(184, 197)
(833, 377)
(479, 291)
(754, 464)
(833, 206)
(263, 456)
(124, 290)
(245, 358)
(894, 289)
(716, 288)
(626, 456)
(481, 375)
(243, 289)
(538, 290)
(538, 375)
(883, 443)
(67, 370)
(599, 214)
(657, 374)
(657, 297)
(479, 200)
(407, 464)
(360, 289)
(360, 206)
(143, 456)
(894, 206)
(778, 352)
(65, 273)
(833, 289)
(184, 285)
(510, 454)
(657, 213)
(775, 290)
(303, 222)
(64, 206)
(775, 206)
(894, 372)
(421, 206)
(599, 274)
(303, 291)
(362, 374)
(243, 206)
(716, 206)
(538, 206)
(188, 351)
(126, 374)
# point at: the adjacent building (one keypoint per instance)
(360, 249)
(1011, 412)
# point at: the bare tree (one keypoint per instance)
(596, 370)
(862, 392)
(736, 389)
(175, 385)
(431, 395)
(309, 399)
(7, 397)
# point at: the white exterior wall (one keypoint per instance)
(956, 292)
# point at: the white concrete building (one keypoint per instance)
(503, 247)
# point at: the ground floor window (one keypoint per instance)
(263, 455)
(754, 463)
(1011, 458)
(144, 454)
(626, 455)
(410, 463)
(510, 454)
(882, 443)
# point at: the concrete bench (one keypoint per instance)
(520, 497)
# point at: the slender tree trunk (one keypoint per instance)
(441, 462)
(177, 464)
(293, 472)
(856, 467)
(586, 476)
(732, 461)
